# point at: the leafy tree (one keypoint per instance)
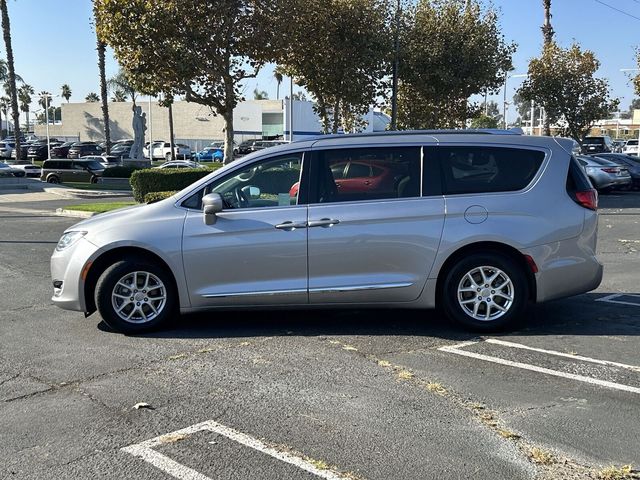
(66, 92)
(484, 121)
(24, 97)
(635, 105)
(450, 50)
(338, 51)
(563, 82)
(523, 108)
(119, 96)
(92, 97)
(187, 57)
(260, 95)
(6, 32)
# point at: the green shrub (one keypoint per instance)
(163, 180)
(153, 197)
(119, 172)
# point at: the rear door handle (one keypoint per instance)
(324, 222)
(289, 225)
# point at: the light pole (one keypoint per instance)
(504, 99)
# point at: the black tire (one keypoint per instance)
(457, 278)
(105, 297)
(53, 179)
(94, 180)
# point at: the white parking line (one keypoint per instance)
(145, 451)
(562, 354)
(612, 299)
(457, 350)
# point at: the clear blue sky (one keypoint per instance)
(54, 42)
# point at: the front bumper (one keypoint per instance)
(67, 267)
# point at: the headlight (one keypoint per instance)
(69, 239)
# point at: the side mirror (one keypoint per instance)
(251, 192)
(211, 204)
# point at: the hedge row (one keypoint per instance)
(163, 180)
(153, 197)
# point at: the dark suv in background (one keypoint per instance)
(602, 144)
(63, 171)
(61, 151)
(80, 149)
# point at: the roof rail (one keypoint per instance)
(479, 131)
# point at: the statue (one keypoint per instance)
(139, 124)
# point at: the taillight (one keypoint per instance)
(588, 199)
(611, 170)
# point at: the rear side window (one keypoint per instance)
(487, 169)
(577, 180)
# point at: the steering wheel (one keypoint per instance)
(241, 198)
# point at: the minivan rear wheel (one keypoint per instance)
(135, 296)
(53, 179)
(485, 292)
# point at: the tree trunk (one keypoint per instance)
(28, 124)
(103, 93)
(171, 140)
(228, 136)
(336, 116)
(6, 30)
(547, 34)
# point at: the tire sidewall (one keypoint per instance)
(107, 282)
(455, 312)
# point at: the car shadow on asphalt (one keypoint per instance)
(619, 199)
(581, 315)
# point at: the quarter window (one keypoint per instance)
(487, 169)
(366, 174)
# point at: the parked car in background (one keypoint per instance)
(162, 151)
(210, 154)
(24, 149)
(61, 151)
(77, 170)
(10, 171)
(105, 160)
(180, 164)
(261, 145)
(6, 148)
(598, 144)
(631, 163)
(220, 144)
(603, 174)
(631, 147)
(29, 169)
(121, 151)
(38, 151)
(81, 149)
(246, 146)
(618, 145)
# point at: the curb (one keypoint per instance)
(74, 213)
(84, 194)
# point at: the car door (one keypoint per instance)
(374, 245)
(256, 252)
(79, 172)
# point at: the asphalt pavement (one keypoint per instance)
(348, 394)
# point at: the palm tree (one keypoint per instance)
(24, 96)
(278, 76)
(66, 92)
(103, 92)
(119, 96)
(45, 102)
(260, 95)
(6, 31)
(92, 97)
(547, 29)
(121, 82)
(4, 108)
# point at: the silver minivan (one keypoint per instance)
(479, 224)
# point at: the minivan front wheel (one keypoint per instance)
(135, 297)
(487, 291)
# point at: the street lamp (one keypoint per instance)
(504, 100)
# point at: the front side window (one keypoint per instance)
(357, 174)
(487, 169)
(269, 183)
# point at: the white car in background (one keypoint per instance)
(161, 150)
(29, 169)
(631, 147)
(6, 148)
(10, 171)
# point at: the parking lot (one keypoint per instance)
(366, 394)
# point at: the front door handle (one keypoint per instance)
(323, 222)
(289, 225)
